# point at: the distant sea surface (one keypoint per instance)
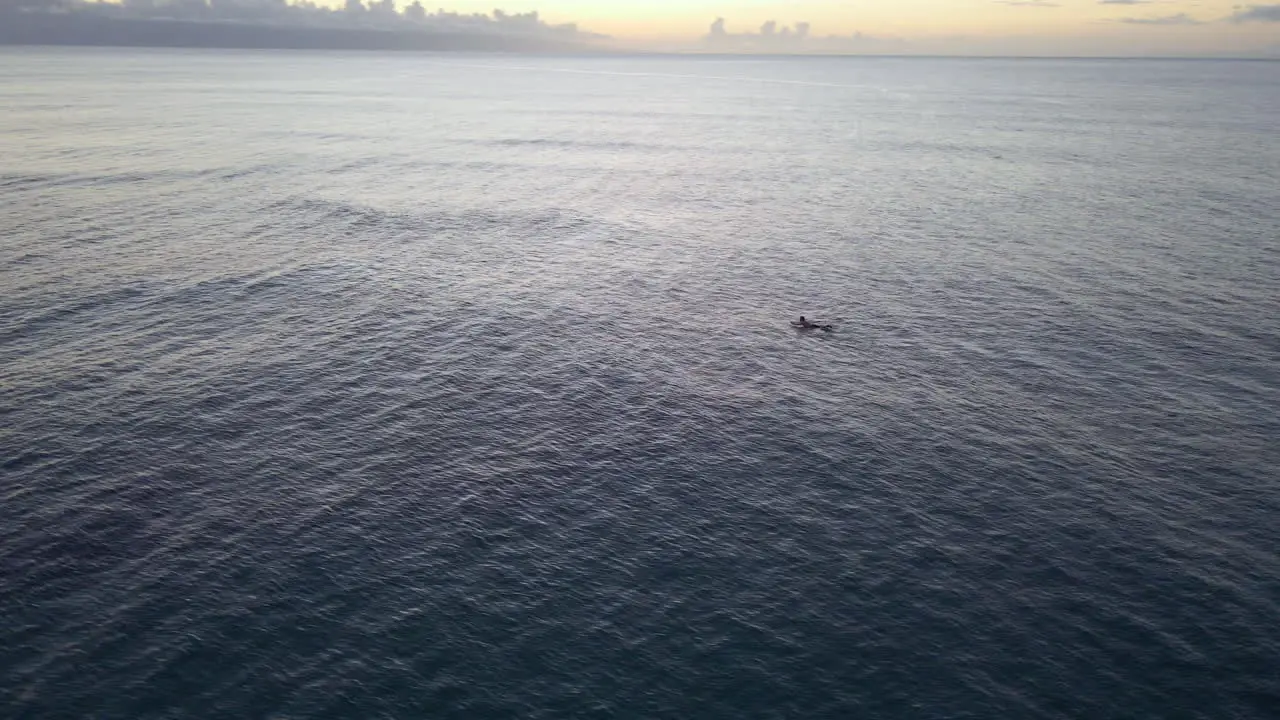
(463, 386)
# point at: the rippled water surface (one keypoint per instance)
(393, 386)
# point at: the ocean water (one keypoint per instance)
(409, 386)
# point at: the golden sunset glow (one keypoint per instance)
(1062, 26)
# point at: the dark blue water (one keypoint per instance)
(362, 386)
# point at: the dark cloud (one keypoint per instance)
(379, 24)
(1257, 13)
(1179, 19)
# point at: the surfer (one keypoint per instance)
(806, 324)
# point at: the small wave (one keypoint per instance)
(23, 181)
(64, 180)
(315, 212)
(26, 258)
(316, 135)
(38, 320)
(223, 289)
(577, 144)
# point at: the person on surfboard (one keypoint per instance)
(807, 325)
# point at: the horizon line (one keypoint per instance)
(633, 52)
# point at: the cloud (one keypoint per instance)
(358, 24)
(775, 38)
(1257, 13)
(1029, 3)
(1125, 2)
(1179, 19)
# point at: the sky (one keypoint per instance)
(1054, 27)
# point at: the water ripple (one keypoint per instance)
(354, 414)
